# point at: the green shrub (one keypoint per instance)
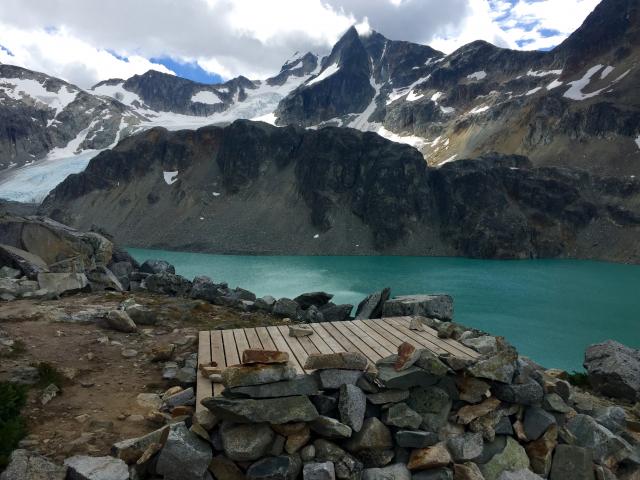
(48, 374)
(579, 379)
(12, 427)
(16, 350)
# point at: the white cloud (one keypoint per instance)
(253, 37)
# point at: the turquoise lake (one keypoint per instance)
(549, 309)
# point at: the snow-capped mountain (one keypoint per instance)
(577, 105)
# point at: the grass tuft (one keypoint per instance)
(579, 379)
(12, 426)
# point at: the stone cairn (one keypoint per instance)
(413, 415)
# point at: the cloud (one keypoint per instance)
(77, 39)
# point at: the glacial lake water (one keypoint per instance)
(549, 309)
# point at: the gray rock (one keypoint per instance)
(141, 315)
(388, 396)
(300, 331)
(529, 393)
(434, 306)
(340, 360)
(371, 306)
(313, 315)
(536, 422)
(614, 418)
(435, 474)
(351, 405)
(465, 447)
(82, 467)
(28, 263)
(335, 313)
(300, 385)
(308, 453)
(24, 375)
(316, 299)
(484, 344)
(244, 294)
(184, 455)
(131, 449)
(411, 377)
(347, 467)
(60, 283)
(431, 364)
(330, 428)
(285, 307)
(401, 416)
(203, 288)
(415, 439)
(332, 379)
(25, 465)
(121, 269)
(572, 463)
(504, 427)
(120, 321)
(273, 410)
(248, 375)
(185, 376)
(554, 403)
(319, 471)
(157, 266)
(271, 468)
(246, 442)
(8, 272)
(614, 370)
(101, 279)
(523, 474)
(433, 403)
(373, 435)
(325, 404)
(168, 284)
(397, 471)
(500, 367)
(600, 440)
(185, 397)
(265, 303)
(513, 457)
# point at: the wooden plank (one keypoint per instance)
(363, 336)
(253, 339)
(204, 387)
(445, 345)
(294, 344)
(394, 338)
(348, 340)
(265, 339)
(319, 343)
(413, 336)
(378, 340)
(433, 334)
(241, 341)
(327, 338)
(217, 355)
(230, 350)
(406, 337)
(281, 344)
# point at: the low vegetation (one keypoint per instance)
(12, 426)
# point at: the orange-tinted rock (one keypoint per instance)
(430, 457)
(469, 413)
(407, 356)
(264, 356)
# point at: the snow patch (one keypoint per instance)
(119, 93)
(450, 159)
(447, 110)
(170, 177)
(478, 110)
(543, 73)
(436, 96)
(533, 90)
(606, 72)
(326, 73)
(554, 84)
(205, 96)
(266, 118)
(316, 236)
(216, 194)
(638, 141)
(575, 91)
(413, 140)
(412, 97)
(477, 75)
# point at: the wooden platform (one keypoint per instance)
(376, 339)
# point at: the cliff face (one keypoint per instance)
(254, 188)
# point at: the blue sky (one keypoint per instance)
(208, 41)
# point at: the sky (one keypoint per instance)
(86, 41)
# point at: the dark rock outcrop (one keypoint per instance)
(614, 370)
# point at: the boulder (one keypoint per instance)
(282, 467)
(407, 356)
(341, 360)
(433, 306)
(371, 306)
(11, 288)
(335, 313)
(325, 404)
(316, 299)
(265, 303)
(433, 404)
(82, 467)
(346, 465)
(605, 446)
(332, 379)
(373, 435)
(499, 367)
(536, 422)
(397, 471)
(613, 417)
(300, 331)
(431, 364)
(28, 263)
(141, 315)
(8, 272)
(513, 457)
(244, 294)
(484, 344)
(614, 370)
(131, 449)
(101, 279)
(60, 283)
(26, 465)
(465, 447)
(415, 438)
(330, 428)
(184, 455)
(351, 405)
(467, 471)
(224, 468)
(168, 284)
(429, 458)
(271, 410)
(319, 471)
(246, 442)
(312, 315)
(434, 474)
(203, 288)
(528, 393)
(120, 321)
(571, 462)
(253, 356)
(469, 413)
(247, 375)
(388, 396)
(405, 379)
(401, 416)
(157, 266)
(300, 385)
(540, 451)
(285, 307)
(472, 390)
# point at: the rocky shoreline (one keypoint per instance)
(413, 415)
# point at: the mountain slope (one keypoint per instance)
(254, 188)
